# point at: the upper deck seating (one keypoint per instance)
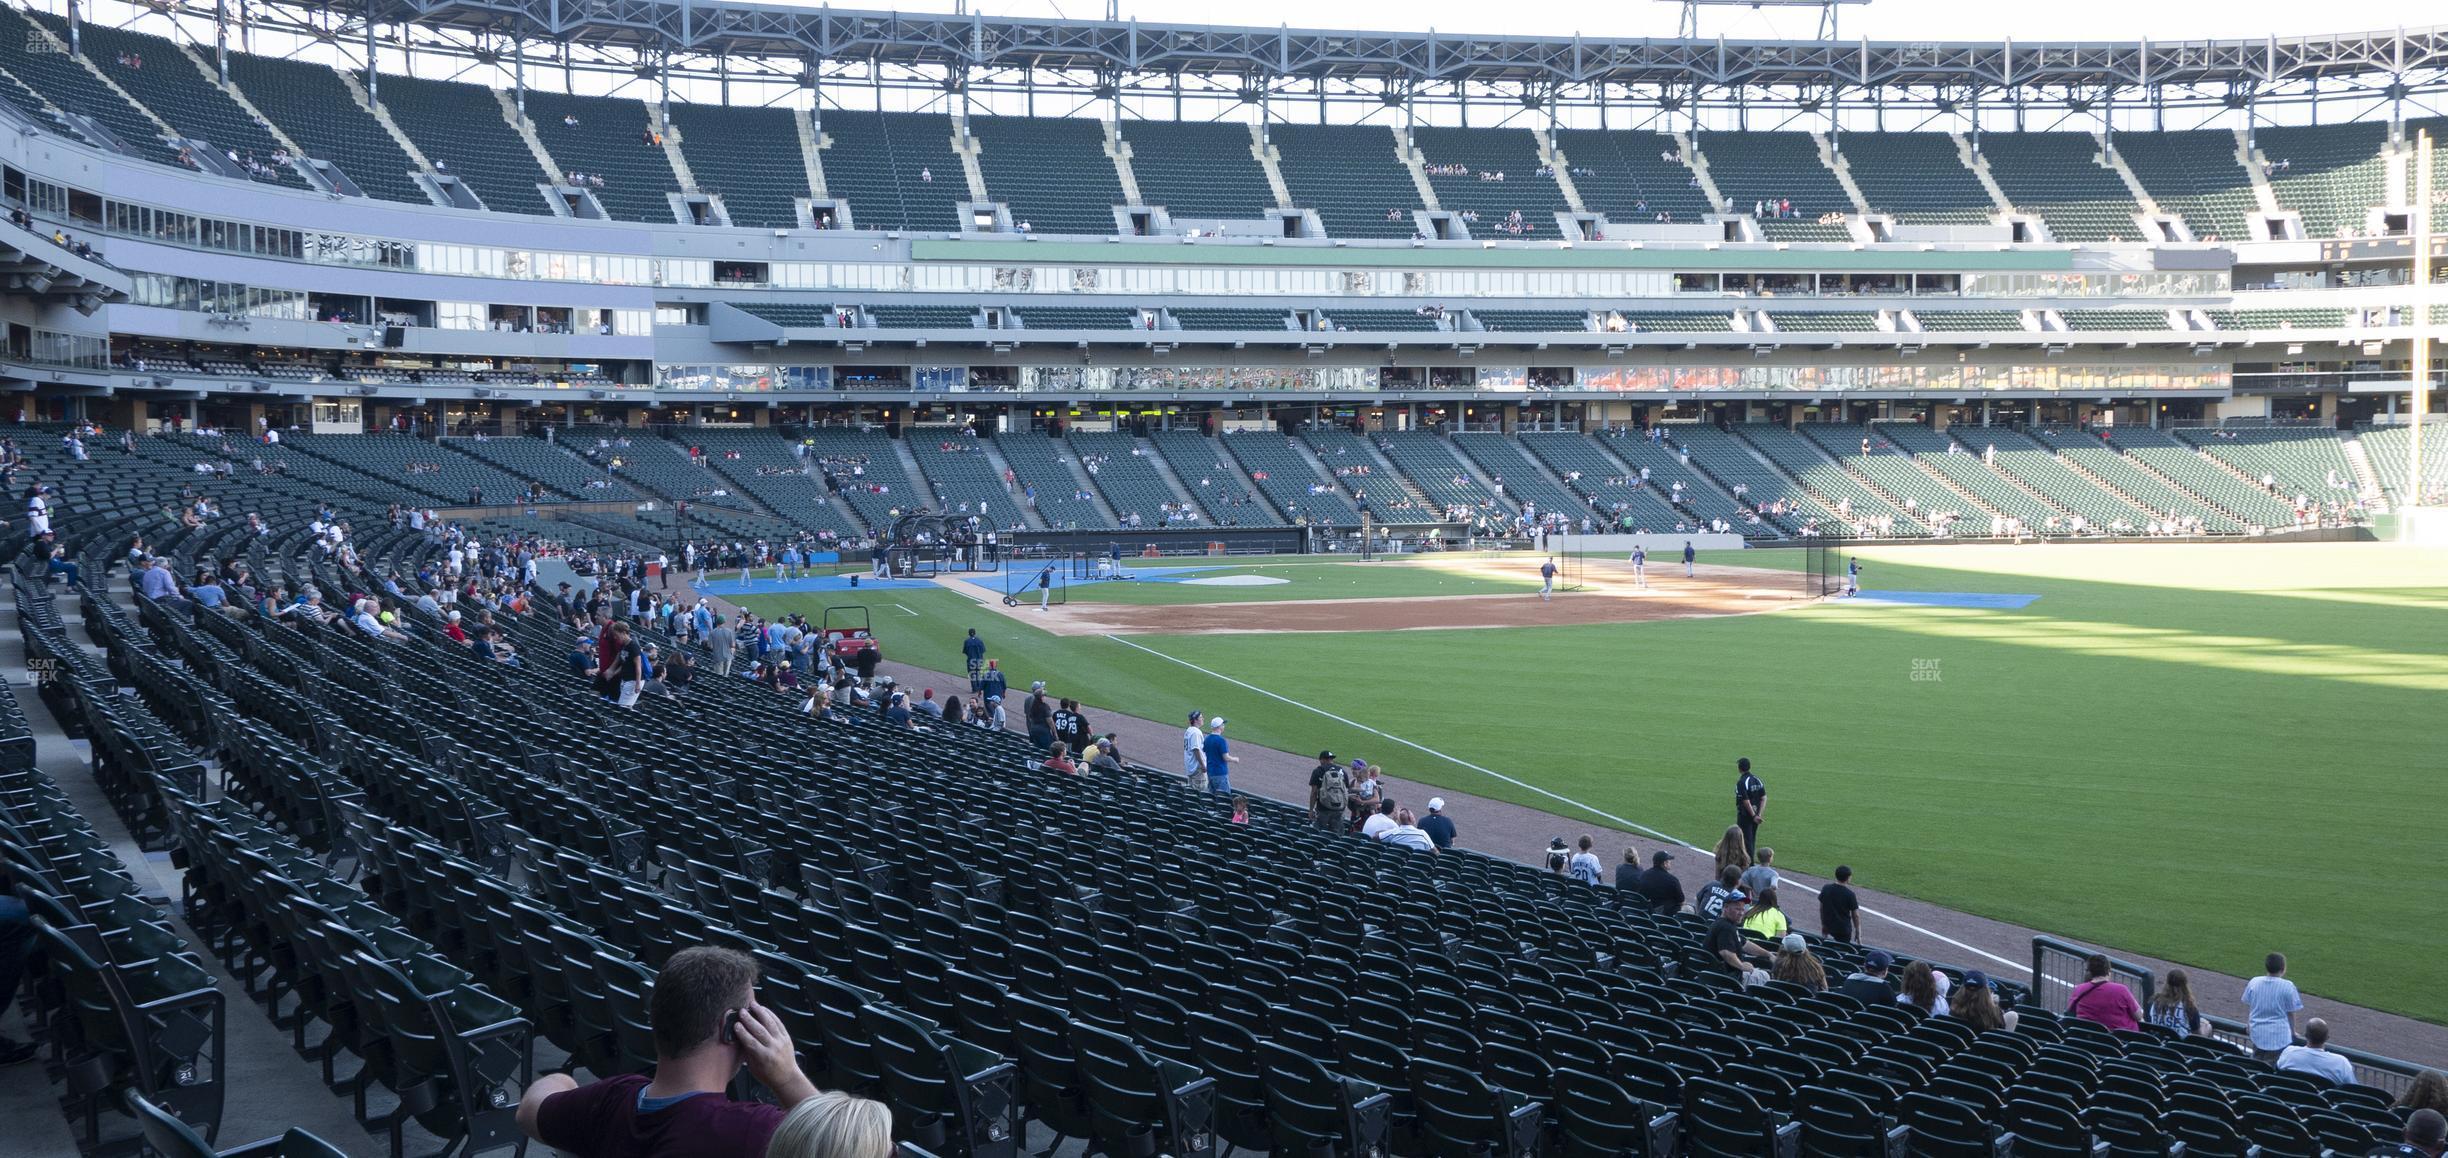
(748, 155)
(1351, 175)
(1051, 171)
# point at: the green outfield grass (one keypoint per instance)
(2201, 753)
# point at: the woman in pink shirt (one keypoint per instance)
(2102, 1001)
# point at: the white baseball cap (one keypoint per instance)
(1217, 722)
(1436, 804)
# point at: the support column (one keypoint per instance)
(2328, 409)
(1940, 417)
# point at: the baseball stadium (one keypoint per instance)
(659, 578)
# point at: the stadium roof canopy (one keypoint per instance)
(1101, 58)
(947, 41)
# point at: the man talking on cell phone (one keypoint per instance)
(706, 1025)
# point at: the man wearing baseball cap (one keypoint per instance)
(1438, 826)
(1733, 950)
(1194, 761)
(1219, 758)
(1658, 887)
(1870, 986)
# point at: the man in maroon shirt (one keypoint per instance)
(706, 1024)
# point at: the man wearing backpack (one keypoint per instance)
(1329, 793)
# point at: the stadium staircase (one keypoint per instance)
(1514, 153)
(1447, 478)
(39, 58)
(967, 479)
(1749, 168)
(1582, 465)
(180, 91)
(2036, 466)
(2367, 477)
(1990, 491)
(1629, 178)
(1525, 481)
(2333, 175)
(1842, 168)
(608, 142)
(1131, 479)
(319, 109)
(1279, 468)
(1052, 172)
(553, 465)
(1817, 471)
(1730, 462)
(1118, 151)
(2058, 177)
(2201, 477)
(1198, 170)
(811, 152)
(660, 120)
(794, 491)
(1979, 166)
(1163, 468)
(1889, 470)
(1560, 170)
(1350, 175)
(1392, 497)
(2302, 459)
(734, 153)
(1702, 495)
(874, 161)
(1227, 493)
(2195, 176)
(1047, 464)
(2122, 476)
(1916, 178)
(461, 131)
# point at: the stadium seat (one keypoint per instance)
(1754, 168)
(1471, 156)
(2057, 177)
(179, 93)
(1051, 171)
(897, 170)
(737, 152)
(1633, 177)
(1351, 175)
(608, 140)
(1919, 178)
(315, 108)
(2332, 175)
(2195, 176)
(1198, 170)
(461, 131)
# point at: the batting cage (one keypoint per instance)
(1568, 569)
(1823, 571)
(1026, 582)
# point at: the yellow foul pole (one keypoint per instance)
(2422, 327)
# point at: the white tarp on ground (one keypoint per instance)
(1235, 580)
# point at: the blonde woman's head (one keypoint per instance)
(834, 1125)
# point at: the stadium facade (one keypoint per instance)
(857, 219)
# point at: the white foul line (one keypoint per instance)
(905, 610)
(1609, 817)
